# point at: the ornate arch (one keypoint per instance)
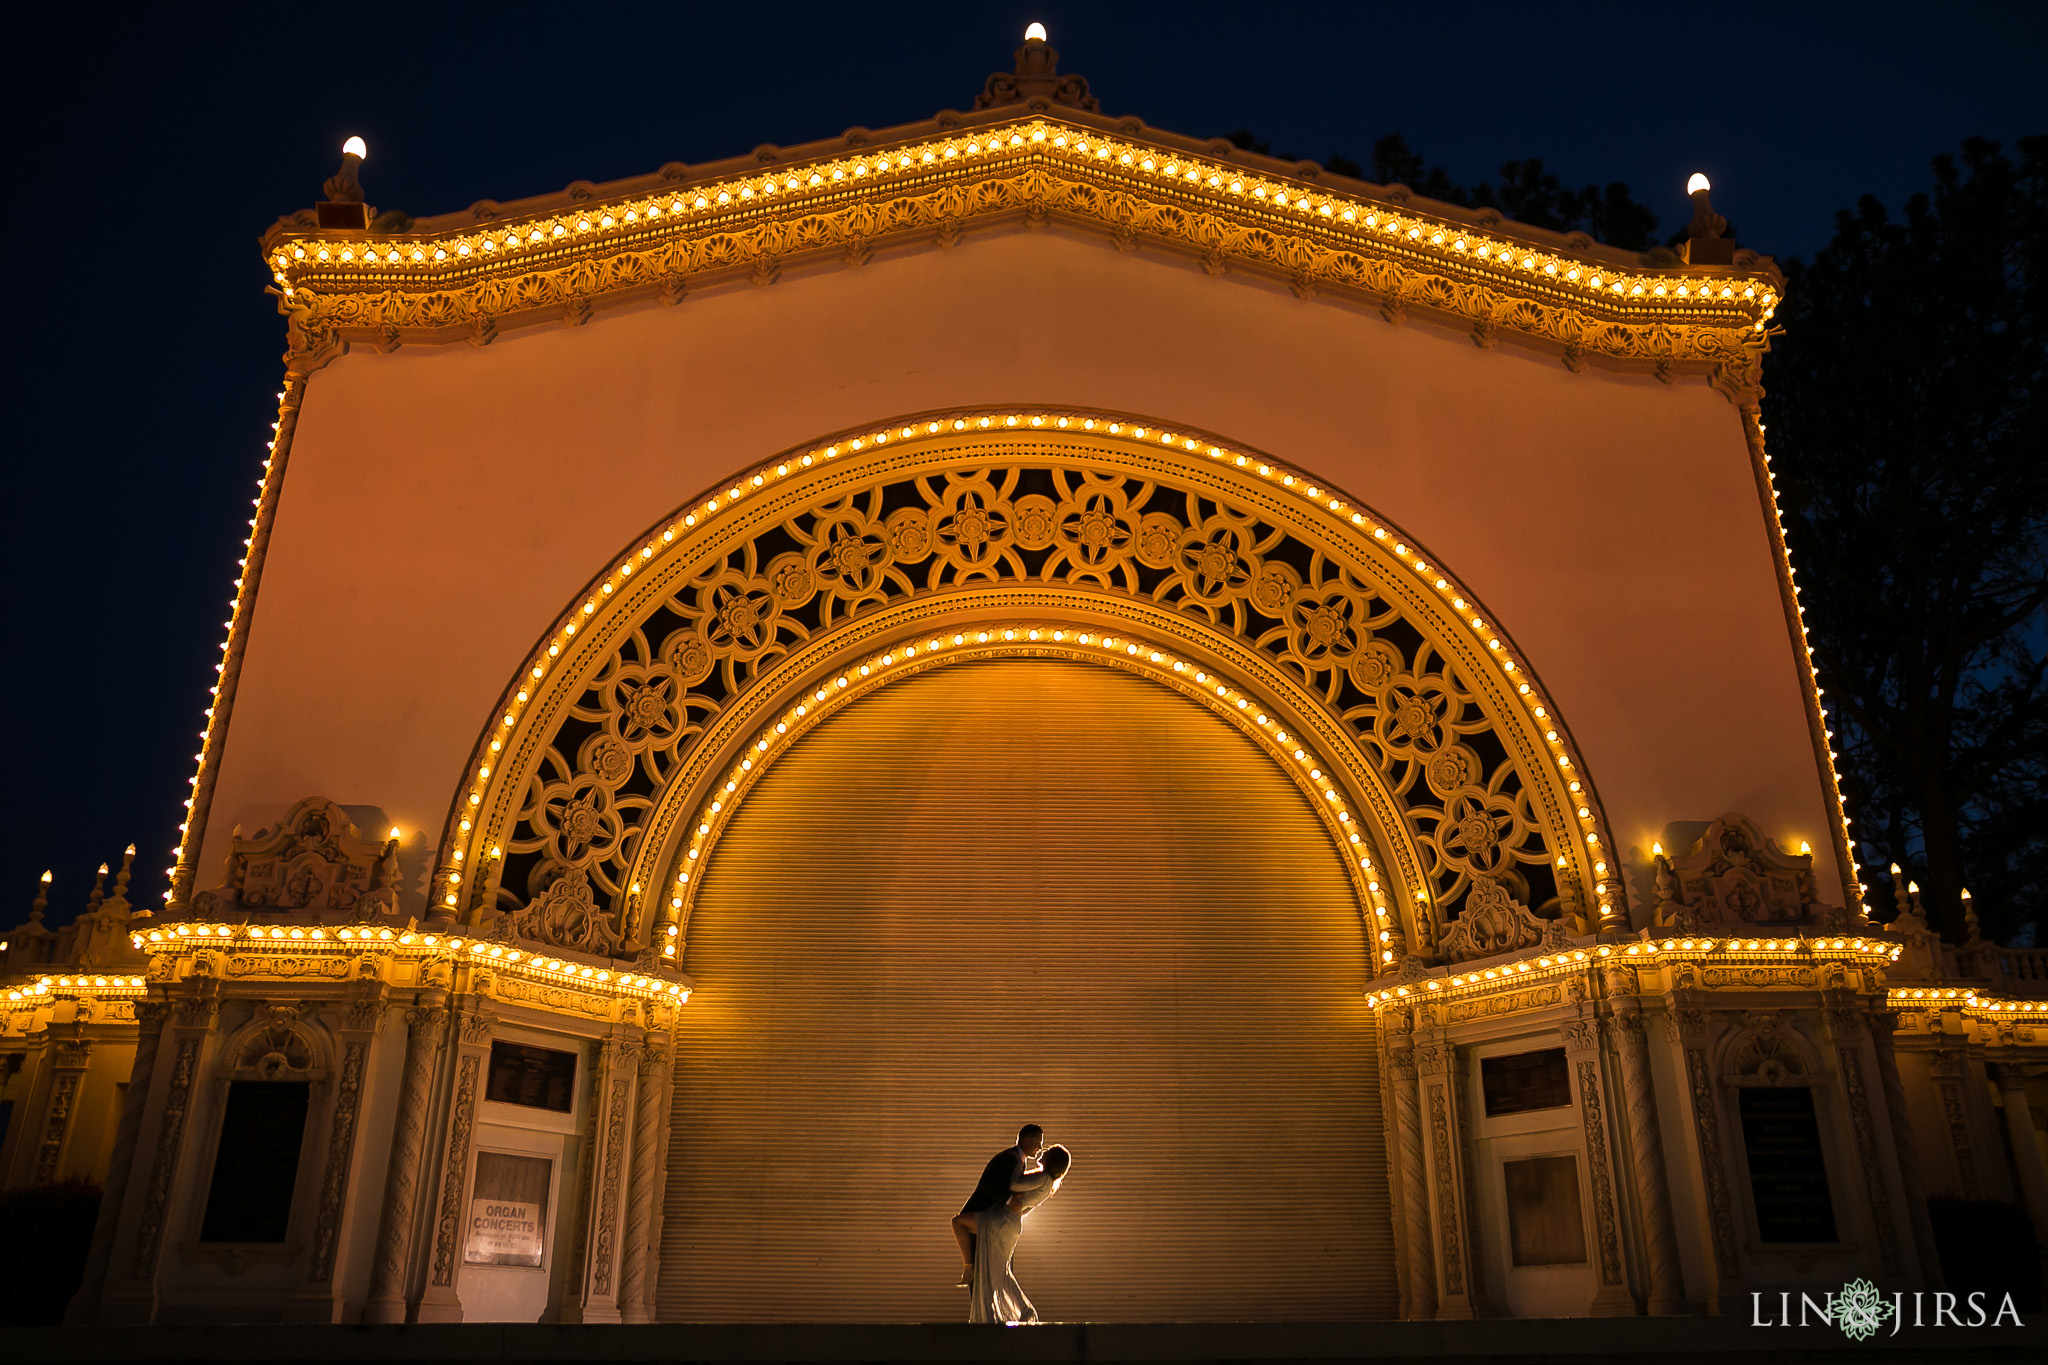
(695, 652)
(278, 1043)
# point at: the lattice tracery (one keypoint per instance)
(1468, 806)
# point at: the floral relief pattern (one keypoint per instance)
(600, 775)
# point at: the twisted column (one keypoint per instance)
(1646, 1147)
(150, 1016)
(644, 1179)
(427, 1024)
(1414, 1181)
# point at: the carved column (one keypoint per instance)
(1691, 1029)
(645, 1179)
(426, 1023)
(1646, 1157)
(69, 1058)
(1883, 1024)
(598, 1291)
(361, 1018)
(440, 1302)
(2026, 1153)
(1414, 1188)
(130, 1291)
(1845, 1032)
(1436, 1061)
(1947, 1065)
(1582, 1046)
(150, 1016)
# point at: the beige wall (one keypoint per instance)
(443, 504)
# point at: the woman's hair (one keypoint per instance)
(1056, 1161)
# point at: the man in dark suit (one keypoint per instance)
(995, 1187)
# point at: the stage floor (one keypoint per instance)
(1670, 1341)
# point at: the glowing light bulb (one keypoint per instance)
(395, 833)
(1697, 183)
(356, 148)
(1034, 33)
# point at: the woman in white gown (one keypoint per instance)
(997, 1297)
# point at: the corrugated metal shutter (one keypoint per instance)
(1011, 891)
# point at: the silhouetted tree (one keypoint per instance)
(1526, 193)
(1906, 426)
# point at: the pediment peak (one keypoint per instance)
(1036, 77)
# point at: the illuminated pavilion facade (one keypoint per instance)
(747, 683)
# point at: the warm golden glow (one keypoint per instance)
(413, 946)
(356, 148)
(1864, 951)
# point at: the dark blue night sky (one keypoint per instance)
(147, 155)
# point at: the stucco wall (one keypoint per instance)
(443, 504)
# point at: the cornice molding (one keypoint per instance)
(564, 257)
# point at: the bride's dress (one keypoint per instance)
(997, 1297)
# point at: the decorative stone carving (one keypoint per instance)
(1605, 1220)
(567, 916)
(1735, 876)
(1450, 1239)
(1512, 1002)
(1707, 1121)
(276, 1047)
(477, 1026)
(1037, 78)
(1763, 1055)
(163, 1170)
(603, 792)
(341, 1146)
(63, 1095)
(608, 1195)
(314, 863)
(1492, 922)
(1041, 170)
(461, 1118)
(1951, 1093)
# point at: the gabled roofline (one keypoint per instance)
(1308, 174)
(558, 257)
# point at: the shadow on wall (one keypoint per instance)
(1989, 1245)
(42, 1257)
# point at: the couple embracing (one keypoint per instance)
(1015, 1181)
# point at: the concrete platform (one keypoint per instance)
(1667, 1341)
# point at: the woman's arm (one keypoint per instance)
(1025, 1184)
